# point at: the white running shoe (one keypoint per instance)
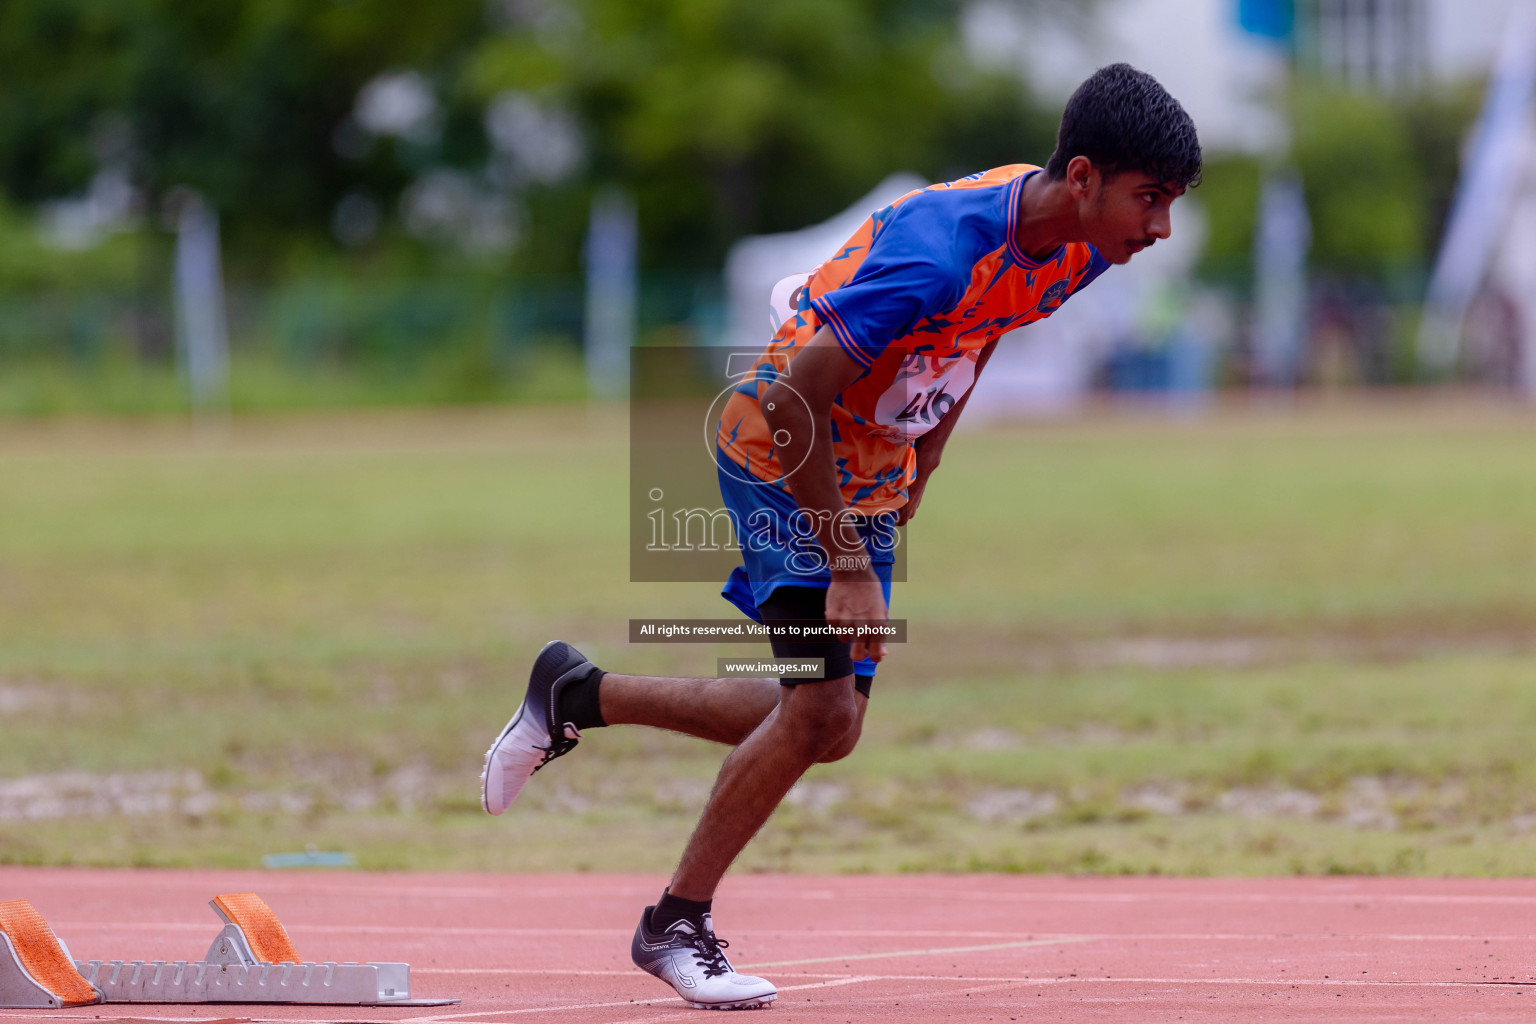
(691, 962)
(533, 738)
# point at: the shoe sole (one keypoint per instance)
(756, 1003)
(490, 757)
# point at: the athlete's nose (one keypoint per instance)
(1161, 225)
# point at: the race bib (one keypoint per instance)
(926, 387)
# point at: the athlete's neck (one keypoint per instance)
(1047, 217)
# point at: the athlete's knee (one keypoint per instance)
(843, 746)
(819, 721)
(824, 735)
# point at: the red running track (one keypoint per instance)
(555, 948)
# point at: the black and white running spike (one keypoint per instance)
(533, 738)
(693, 962)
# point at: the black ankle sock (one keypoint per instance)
(579, 704)
(671, 909)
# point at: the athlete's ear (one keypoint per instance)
(1081, 177)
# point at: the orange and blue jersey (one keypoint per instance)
(914, 297)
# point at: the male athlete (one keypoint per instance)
(834, 436)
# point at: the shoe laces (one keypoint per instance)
(559, 745)
(707, 951)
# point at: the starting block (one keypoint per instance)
(251, 960)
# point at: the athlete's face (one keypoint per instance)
(1122, 213)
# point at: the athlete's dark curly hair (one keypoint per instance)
(1123, 120)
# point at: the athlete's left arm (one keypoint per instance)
(930, 447)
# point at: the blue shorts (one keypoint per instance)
(779, 547)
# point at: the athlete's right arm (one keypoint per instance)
(820, 373)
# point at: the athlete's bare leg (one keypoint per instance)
(722, 710)
(812, 722)
(778, 731)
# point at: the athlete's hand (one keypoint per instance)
(928, 453)
(853, 601)
(914, 498)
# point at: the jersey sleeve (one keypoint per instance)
(908, 274)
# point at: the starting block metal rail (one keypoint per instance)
(251, 960)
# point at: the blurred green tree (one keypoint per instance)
(1365, 187)
(241, 99)
(721, 116)
(726, 117)
(1379, 173)
(1229, 195)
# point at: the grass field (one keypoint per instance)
(1297, 640)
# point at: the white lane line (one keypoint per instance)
(1043, 980)
(54, 1014)
(922, 997)
(515, 890)
(1351, 896)
(850, 933)
(854, 979)
(564, 971)
(1047, 938)
(338, 929)
(659, 1003)
(990, 984)
(1282, 982)
(1299, 937)
(921, 952)
(527, 970)
(432, 1018)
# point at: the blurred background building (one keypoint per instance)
(269, 206)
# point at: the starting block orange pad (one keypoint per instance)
(251, 960)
